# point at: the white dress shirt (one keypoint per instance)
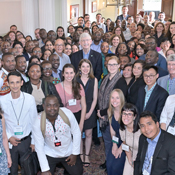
(64, 59)
(168, 110)
(103, 26)
(28, 112)
(45, 146)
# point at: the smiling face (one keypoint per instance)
(55, 61)
(131, 45)
(21, 64)
(171, 67)
(128, 118)
(122, 49)
(85, 68)
(149, 128)
(60, 32)
(68, 50)
(151, 57)
(9, 63)
(104, 47)
(123, 61)
(47, 53)
(34, 72)
(68, 74)
(47, 69)
(86, 42)
(115, 41)
(172, 29)
(139, 50)
(5, 47)
(137, 70)
(112, 66)
(127, 72)
(19, 49)
(115, 99)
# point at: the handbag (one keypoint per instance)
(29, 163)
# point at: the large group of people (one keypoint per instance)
(116, 76)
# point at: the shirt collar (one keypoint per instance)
(155, 140)
(87, 53)
(20, 97)
(146, 87)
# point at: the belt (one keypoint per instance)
(25, 137)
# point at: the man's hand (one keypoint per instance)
(14, 141)
(32, 147)
(71, 160)
(46, 173)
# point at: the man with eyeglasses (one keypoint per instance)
(151, 45)
(59, 48)
(151, 97)
(87, 53)
(152, 59)
(168, 82)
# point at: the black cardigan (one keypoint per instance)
(27, 87)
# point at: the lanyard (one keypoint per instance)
(132, 144)
(20, 111)
(53, 125)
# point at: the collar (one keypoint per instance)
(20, 97)
(146, 87)
(5, 71)
(155, 140)
(170, 78)
(87, 53)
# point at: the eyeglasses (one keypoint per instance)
(36, 51)
(59, 45)
(112, 65)
(85, 40)
(127, 114)
(169, 64)
(47, 68)
(149, 76)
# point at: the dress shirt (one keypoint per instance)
(1, 80)
(64, 59)
(63, 133)
(103, 26)
(127, 34)
(147, 165)
(41, 43)
(56, 75)
(25, 78)
(86, 56)
(148, 94)
(12, 109)
(95, 47)
(170, 84)
(161, 52)
(168, 110)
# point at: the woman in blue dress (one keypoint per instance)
(5, 158)
(116, 158)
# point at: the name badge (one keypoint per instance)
(125, 147)
(115, 139)
(57, 144)
(18, 130)
(72, 102)
(0, 152)
(171, 130)
(145, 172)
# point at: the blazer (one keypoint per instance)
(120, 17)
(163, 82)
(94, 57)
(163, 158)
(133, 88)
(27, 87)
(156, 100)
(26, 56)
(161, 72)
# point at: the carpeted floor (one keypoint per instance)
(97, 157)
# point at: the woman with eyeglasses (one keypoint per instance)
(110, 81)
(130, 133)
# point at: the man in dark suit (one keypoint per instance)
(29, 48)
(151, 97)
(124, 14)
(87, 53)
(152, 59)
(156, 153)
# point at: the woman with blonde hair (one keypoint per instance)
(114, 42)
(86, 78)
(116, 158)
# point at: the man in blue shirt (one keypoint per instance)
(156, 154)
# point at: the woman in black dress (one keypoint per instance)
(90, 84)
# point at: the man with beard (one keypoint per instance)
(5, 47)
(55, 61)
(21, 65)
(8, 62)
(29, 48)
(96, 43)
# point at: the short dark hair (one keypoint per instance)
(14, 73)
(98, 14)
(33, 57)
(50, 96)
(18, 56)
(161, 13)
(110, 55)
(127, 65)
(128, 52)
(126, 56)
(79, 27)
(36, 48)
(6, 54)
(148, 67)
(141, 25)
(80, 17)
(149, 114)
(17, 42)
(33, 64)
(132, 108)
(13, 26)
(86, 15)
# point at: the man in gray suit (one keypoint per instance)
(168, 81)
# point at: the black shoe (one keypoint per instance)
(103, 166)
(66, 172)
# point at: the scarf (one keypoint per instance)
(104, 95)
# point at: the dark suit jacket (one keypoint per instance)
(120, 17)
(133, 88)
(26, 56)
(162, 72)
(156, 101)
(163, 158)
(94, 57)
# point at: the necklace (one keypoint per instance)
(36, 83)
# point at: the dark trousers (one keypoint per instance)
(17, 152)
(76, 169)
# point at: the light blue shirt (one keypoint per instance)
(148, 94)
(95, 47)
(147, 165)
(86, 56)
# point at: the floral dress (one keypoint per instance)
(4, 170)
